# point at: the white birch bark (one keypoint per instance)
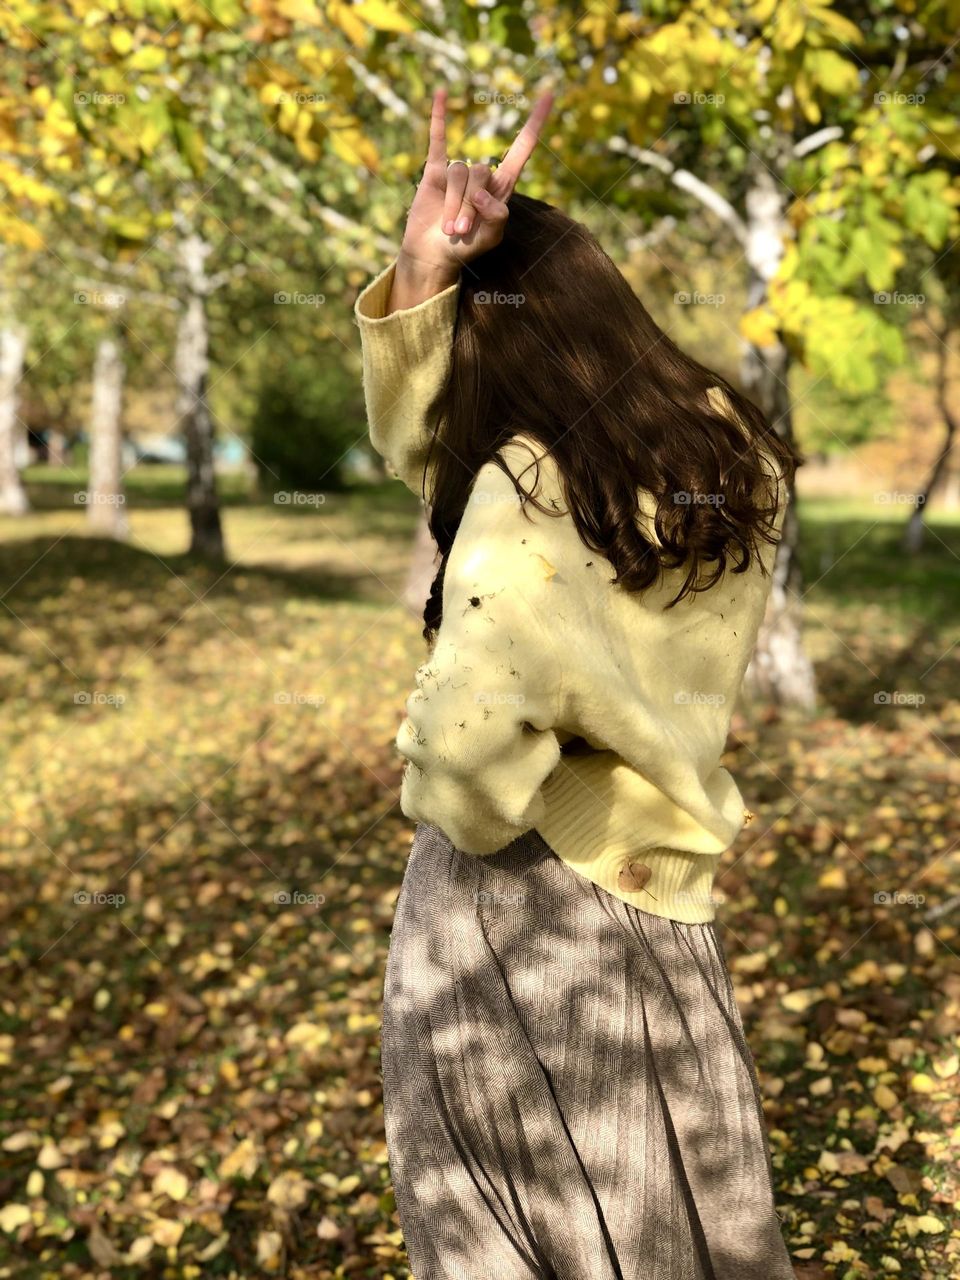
(106, 510)
(779, 670)
(192, 366)
(13, 346)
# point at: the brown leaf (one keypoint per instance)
(634, 877)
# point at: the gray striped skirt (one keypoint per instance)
(568, 1093)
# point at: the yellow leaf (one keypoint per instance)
(121, 41)
(13, 1216)
(344, 16)
(140, 1249)
(800, 1001)
(307, 1036)
(171, 1182)
(166, 1232)
(150, 58)
(759, 327)
(479, 55)
(873, 1066)
(920, 1082)
(241, 1161)
(351, 145)
(833, 878)
(50, 1156)
(946, 1067)
(269, 1250)
(288, 1190)
(884, 1097)
(925, 1223)
(271, 93)
(21, 1140)
(546, 568)
(383, 16)
(299, 10)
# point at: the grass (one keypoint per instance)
(196, 755)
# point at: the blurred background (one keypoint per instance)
(209, 589)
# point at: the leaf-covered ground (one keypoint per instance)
(201, 852)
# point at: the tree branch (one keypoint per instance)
(686, 181)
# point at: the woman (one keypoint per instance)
(568, 1093)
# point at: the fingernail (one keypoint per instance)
(480, 196)
(448, 227)
(463, 224)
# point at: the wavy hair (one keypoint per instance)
(552, 342)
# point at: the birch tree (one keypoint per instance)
(105, 497)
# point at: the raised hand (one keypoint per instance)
(459, 211)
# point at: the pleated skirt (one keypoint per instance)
(568, 1092)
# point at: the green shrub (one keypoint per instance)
(308, 417)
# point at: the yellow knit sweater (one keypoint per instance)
(537, 647)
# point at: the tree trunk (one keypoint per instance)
(779, 670)
(950, 489)
(191, 366)
(56, 448)
(105, 499)
(914, 532)
(13, 346)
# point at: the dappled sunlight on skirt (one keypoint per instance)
(568, 1092)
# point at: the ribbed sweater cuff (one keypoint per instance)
(404, 337)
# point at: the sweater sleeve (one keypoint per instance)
(479, 734)
(406, 362)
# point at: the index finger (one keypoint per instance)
(508, 172)
(437, 149)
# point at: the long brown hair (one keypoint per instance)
(551, 341)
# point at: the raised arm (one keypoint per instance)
(407, 315)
